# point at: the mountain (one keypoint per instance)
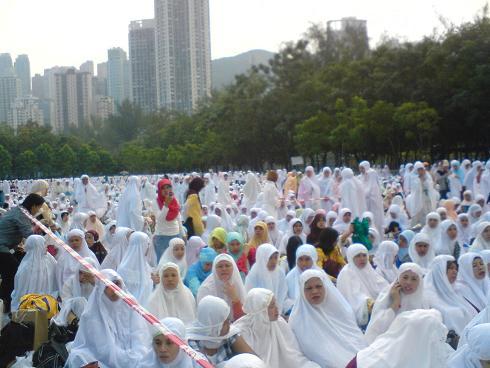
(225, 69)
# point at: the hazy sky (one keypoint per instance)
(67, 32)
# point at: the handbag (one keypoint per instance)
(189, 226)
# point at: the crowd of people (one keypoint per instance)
(276, 269)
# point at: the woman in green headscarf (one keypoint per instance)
(235, 245)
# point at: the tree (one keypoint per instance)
(26, 164)
(45, 157)
(5, 162)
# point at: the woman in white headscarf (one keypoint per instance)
(134, 267)
(120, 246)
(473, 284)
(226, 220)
(448, 242)
(268, 334)
(211, 333)
(395, 214)
(36, 273)
(267, 274)
(70, 308)
(359, 283)
(325, 182)
(321, 314)
(251, 190)
(296, 228)
(405, 335)
(109, 231)
(78, 221)
(432, 227)
(309, 190)
(441, 294)
(130, 206)
(464, 229)
(164, 352)
(476, 352)
(193, 248)
(275, 235)
(482, 240)
(384, 260)
(225, 283)
(421, 251)
(372, 190)
(245, 361)
(171, 298)
(109, 332)
(423, 197)
(212, 222)
(80, 284)
(306, 258)
(352, 193)
(405, 294)
(67, 265)
(343, 222)
(175, 253)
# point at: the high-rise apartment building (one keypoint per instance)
(118, 85)
(25, 109)
(183, 53)
(9, 91)
(22, 69)
(142, 64)
(6, 67)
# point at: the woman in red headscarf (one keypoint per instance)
(168, 223)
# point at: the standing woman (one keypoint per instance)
(271, 194)
(167, 217)
(321, 314)
(193, 207)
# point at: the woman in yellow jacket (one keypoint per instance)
(193, 207)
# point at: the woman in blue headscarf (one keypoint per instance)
(404, 240)
(199, 271)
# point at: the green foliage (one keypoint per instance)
(5, 162)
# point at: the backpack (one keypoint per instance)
(40, 302)
(15, 340)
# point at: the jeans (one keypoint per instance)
(8, 268)
(161, 243)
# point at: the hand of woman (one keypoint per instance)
(395, 296)
(231, 291)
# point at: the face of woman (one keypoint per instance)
(322, 222)
(479, 269)
(314, 291)
(271, 226)
(273, 260)
(112, 230)
(421, 249)
(409, 282)
(165, 349)
(207, 266)
(433, 223)
(89, 238)
(217, 212)
(258, 231)
(272, 310)
(75, 243)
(170, 278)
(361, 260)
(166, 189)
(347, 217)
(218, 246)
(224, 270)
(111, 294)
(178, 251)
(86, 277)
(234, 246)
(486, 233)
(402, 242)
(452, 272)
(297, 228)
(464, 222)
(331, 221)
(304, 263)
(452, 232)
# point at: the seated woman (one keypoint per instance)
(36, 273)
(259, 237)
(295, 229)
(92, 239)
(245, 360)
(134, 268)
(211, 333)
(384, 260)
(476, 352)
(421, 251)
(359, 283)
(432, 227)
(80, 284)
(448, 242)
(217, 240)
(330, 257)
(293, 244)
(404, 240)
(441, 294)
(405, 294)
(421, 330)
(306, 258)
(109, 322)
(267, 274)
(321, 315)
(175, 253)
(317, 225)
(268, 334)
(482, 240)
(171, 298)
(67, 265)
(120, 246)
(473, 284)
(236, 247)
(225, 283)
(164, 352)
(200, 270)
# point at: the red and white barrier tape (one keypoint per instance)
(128, 298)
